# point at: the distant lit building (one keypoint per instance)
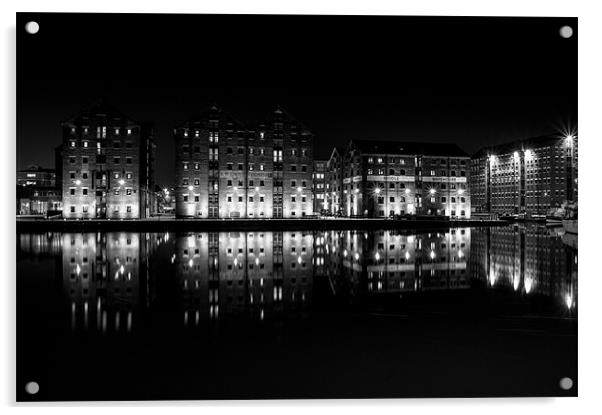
(39, 200)
(527, 176)
(225, 170)
(334, 182)
(385, 178)
(165, 199)
(319, 183)
(107, 165)
(35, 175)
(37, 192)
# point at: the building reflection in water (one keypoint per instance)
(260, 274)
(105, 278)
(399, 262)
(530, 259)
(110, 279)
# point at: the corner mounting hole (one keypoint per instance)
(32, 388)
(566, 383)
(32, 28)
(566, 31)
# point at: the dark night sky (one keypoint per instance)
(472, 81)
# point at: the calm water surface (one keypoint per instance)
(333, 314)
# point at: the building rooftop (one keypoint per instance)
(214, 112)
(36, 168)
(409, 147)
(99, 109)
(522, 144)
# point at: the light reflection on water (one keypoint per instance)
(110, 279)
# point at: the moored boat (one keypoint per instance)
(570, 225)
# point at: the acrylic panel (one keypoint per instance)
(295, 207)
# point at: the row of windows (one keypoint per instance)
(85, 175)
(85, 191)
(85, 209)
(116, 160)
(442, 162)
(101, 131)
(277, 154)
(86, 144)
(381, 200)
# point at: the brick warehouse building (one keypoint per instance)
(528, 176)
(384, 178)
(225, 170)
(107, 165)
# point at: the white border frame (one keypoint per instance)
(590, 111)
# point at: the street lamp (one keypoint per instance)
(432, 191)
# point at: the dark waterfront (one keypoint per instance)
(314, 314)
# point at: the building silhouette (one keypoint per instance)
(107, 165)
